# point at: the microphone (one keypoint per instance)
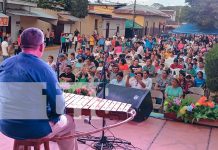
(88, 120)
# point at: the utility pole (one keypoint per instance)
(134, 16)
(4, 6)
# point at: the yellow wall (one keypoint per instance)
(138, 19)
(103, 9)
(87, 25)
(142, 20)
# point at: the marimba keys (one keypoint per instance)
(85, 105)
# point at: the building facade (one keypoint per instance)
(24, 14)
(102, 20)
(152, 20)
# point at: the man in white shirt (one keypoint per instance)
(140, 50)
(136, 82)
(134, 39)
(4, 45)
(119, 80)
(147, 81)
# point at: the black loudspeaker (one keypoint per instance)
(140, 99)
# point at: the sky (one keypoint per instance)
(150, 2)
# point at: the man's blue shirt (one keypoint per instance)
(29, 68)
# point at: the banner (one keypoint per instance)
(4, 21)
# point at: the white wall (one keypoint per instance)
(15, 27)
(67, 28)
(113, 26)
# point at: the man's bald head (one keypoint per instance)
(32, 38)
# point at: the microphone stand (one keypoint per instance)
(103, 142)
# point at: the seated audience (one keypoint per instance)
(51, 62)
(67, 76)
(163, 81)
(147, 81)
(123, 66)
(119, 80)
(136, 81)
(135, 67)
(83, 75)
(176, 65)
(149, 67)
(199, 81)
(174, 90)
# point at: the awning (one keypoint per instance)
(129, 24)
(3, 15)
(42, 16)
(67, 18)
(3, 20)
(194, 29)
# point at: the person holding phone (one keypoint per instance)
(136, 81)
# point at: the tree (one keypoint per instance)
(78, 8)
(211, 71)
(203, 12)
(157, 5)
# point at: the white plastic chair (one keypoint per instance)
(154, 95)
(196, 90)
(195, 97)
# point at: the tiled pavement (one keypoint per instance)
(152, 134)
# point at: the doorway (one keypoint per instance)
(57, 31)
(107, 29)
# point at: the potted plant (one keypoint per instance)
(187, 110)
(82, 91)
(79, 88)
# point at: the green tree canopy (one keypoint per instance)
(203, 12)
(211, 69)
(78, 8)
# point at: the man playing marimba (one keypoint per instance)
(19, 109)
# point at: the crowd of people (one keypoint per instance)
(11, 47)
(171, 64)
(175, 63)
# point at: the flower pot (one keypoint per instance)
(171, 116)
(212, 123)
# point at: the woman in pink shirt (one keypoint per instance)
(180, 45)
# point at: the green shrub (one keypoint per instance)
(211, 69)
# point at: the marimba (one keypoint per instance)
(78, 105)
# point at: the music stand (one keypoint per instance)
(103, 142)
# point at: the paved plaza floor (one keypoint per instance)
(152, 134)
